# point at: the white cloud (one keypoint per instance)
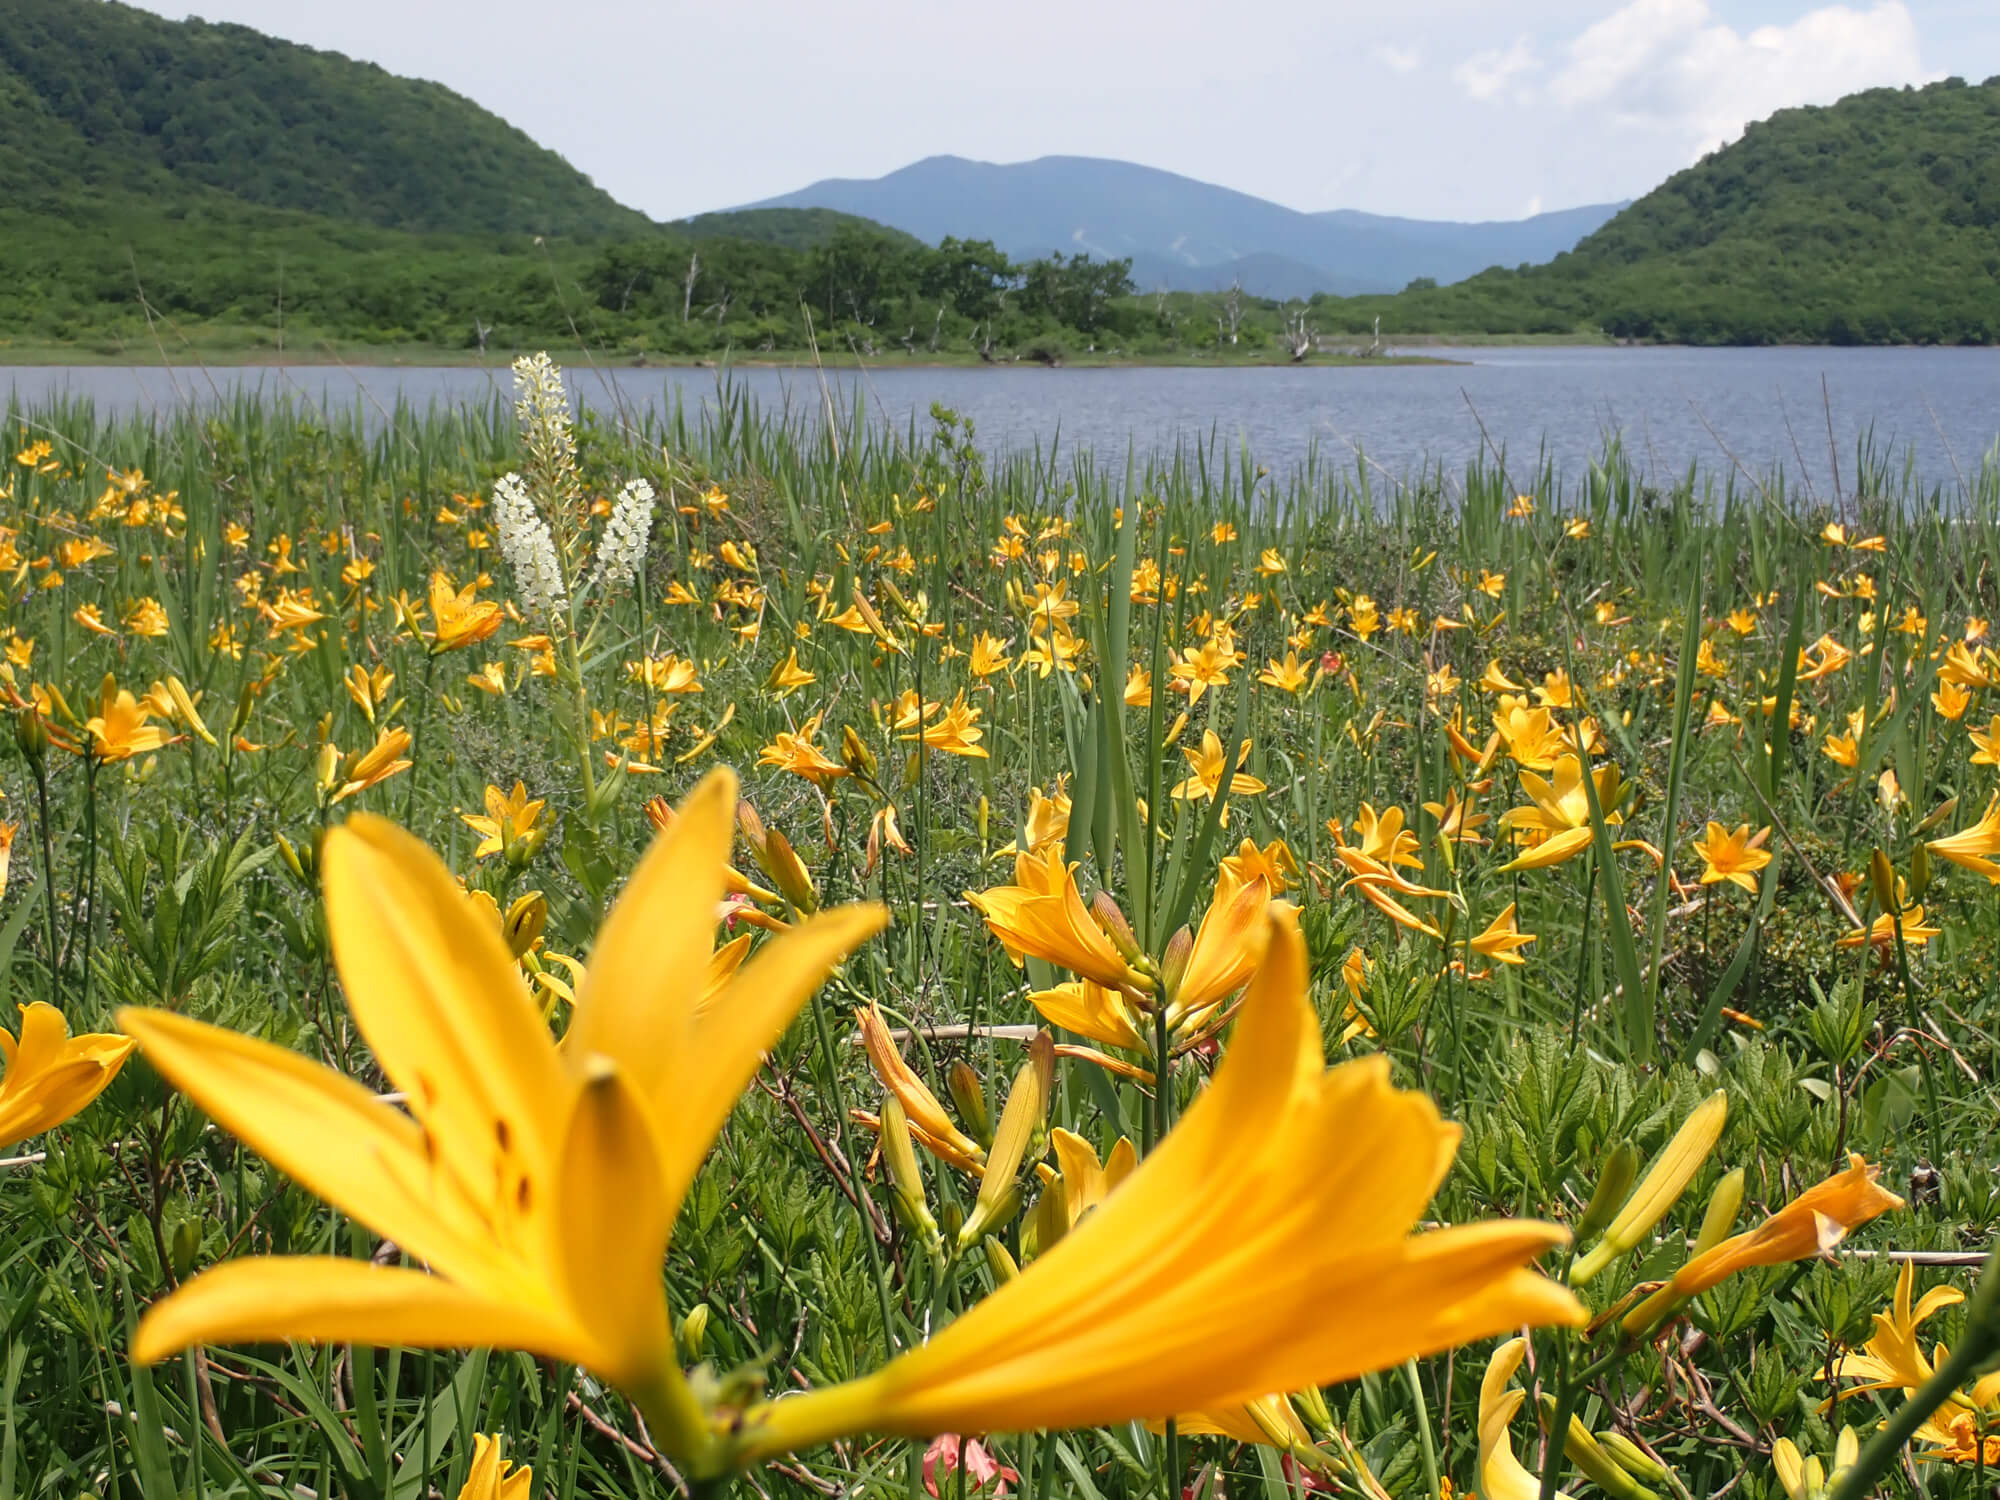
(1398, 59)
(1672, 68)
(1486, 76)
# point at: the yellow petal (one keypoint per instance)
(639, 997)
(441, 1001)
(1553, 850)
(734, 1031)
(270, 1298)
(615, 1217)
(323, 1130)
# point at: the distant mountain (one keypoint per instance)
(1184, 234)
(1872, 220)
(122, 104)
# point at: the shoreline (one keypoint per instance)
(404, 356)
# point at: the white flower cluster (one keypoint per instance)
(542, 408)
(528, 547)
(622, 552)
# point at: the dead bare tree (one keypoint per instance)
(479, 331)
(937, 328)
(1299, 333)
(687, 286)
(1230, 323)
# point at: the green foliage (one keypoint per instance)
(109, 99)
(1869, 221)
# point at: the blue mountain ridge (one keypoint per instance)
(1182, 234)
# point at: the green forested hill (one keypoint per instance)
(105, 99)
(790, 228)
(1874, 220)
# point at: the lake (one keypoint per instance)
(1757, 410)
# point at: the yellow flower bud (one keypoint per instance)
(1596, 1465)
(1024, 1117)
(1882, 880)
(1664, 1183)
(1633, 1459)
(969, 1094)
(906, 1180)
(692, 1333)
(1720, 1219)
(525, 920)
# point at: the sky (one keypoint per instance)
(1445, 109)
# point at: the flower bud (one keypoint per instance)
(1025, 1116)
(906, 1181)
(1312, 1407)
(244, 700)
(184, 1247)
(327, 776)
(525, 920)
(984, 814)
(1920, 870)
(1596, 1465)
(856, 755)
(1174, 962)
(1882, 881)
(300, 861)
(1000, 1262)
(31, 733)
(1938, 815)
(962, 1081)
(1051, 1220)
(1723, 1205)
(692, 1334)
(1633, 1459)
(788, 872)
(1668, 1178)
(1112, 920)
(1614, 1186)
(189, 715)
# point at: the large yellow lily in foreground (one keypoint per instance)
(1265, 1245)
(538, 1183)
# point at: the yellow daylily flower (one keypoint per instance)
(1501, 1475)
(1091, 1010)
(1043, 913)
(493, 1478)
(371, 767)
(122, 727)
(1274, 1219)
(1228, 946)
(1814, 1222)
(459, 618)
(539, 1183)
(1502, 938)
(797, 752)
(1972, 848)
(1734, 857)
(510, 819)
(1556, 823)
(50, 1074)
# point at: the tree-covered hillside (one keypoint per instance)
(104, 98)
(1874, 220)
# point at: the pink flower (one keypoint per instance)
(948, 1450)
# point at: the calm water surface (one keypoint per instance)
(1761, 409)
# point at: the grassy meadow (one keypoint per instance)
(706, 956)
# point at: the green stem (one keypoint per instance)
(90, 873)
(48, 876)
